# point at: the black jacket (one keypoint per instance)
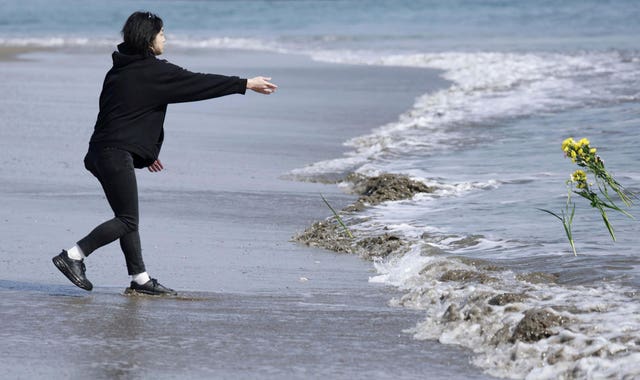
(134, 101)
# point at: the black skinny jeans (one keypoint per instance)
(114, 169)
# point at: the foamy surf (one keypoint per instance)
(591, 332)
(487, 88)
(519, 324)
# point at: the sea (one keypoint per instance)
(521, 77)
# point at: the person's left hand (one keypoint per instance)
(156, 166)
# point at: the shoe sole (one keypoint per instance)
(136, 292)
(62, 266)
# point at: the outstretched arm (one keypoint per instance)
(261, 85)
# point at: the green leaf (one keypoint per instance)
(550, 212)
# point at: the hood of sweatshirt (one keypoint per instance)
(125, 56)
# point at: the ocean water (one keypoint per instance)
(523, 76)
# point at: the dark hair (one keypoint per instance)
(139, 32)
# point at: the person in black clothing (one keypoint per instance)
(128, 134)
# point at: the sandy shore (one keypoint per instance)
(215, 225)
(13, 53)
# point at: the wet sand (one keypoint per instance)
(18, 53)
(216, 225)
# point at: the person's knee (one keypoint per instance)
(130, 222)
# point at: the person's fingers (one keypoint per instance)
(155, 167)
(262, 85)
(270, 87)
(266, 82)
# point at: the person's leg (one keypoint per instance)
(114, 169)
(130, 244)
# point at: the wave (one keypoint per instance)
(486, 88)
(56, 42)
(177, 41)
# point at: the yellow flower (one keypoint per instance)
(583, 142)
(567, 143)
(579, 176)
(573, 155)
(592, 150)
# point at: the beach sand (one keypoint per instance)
(15, 53)
(215, 225)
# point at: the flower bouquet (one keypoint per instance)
(598, 194)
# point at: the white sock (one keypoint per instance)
(141, 278)
(76, 253)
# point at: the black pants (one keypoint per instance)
(114, 169)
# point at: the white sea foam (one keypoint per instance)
(486, 87)
(228, 43)
(56, 41)
(600, 339)
(172, 40)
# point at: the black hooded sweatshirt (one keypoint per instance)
(134, 101)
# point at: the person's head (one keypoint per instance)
(143, 34)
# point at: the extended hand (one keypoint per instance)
(261, 85)
(156, 166)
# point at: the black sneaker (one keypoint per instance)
(151, 287)
(73, 269)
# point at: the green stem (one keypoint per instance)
(337, 217)
(573, 246)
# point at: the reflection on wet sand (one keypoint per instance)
(105, 334)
